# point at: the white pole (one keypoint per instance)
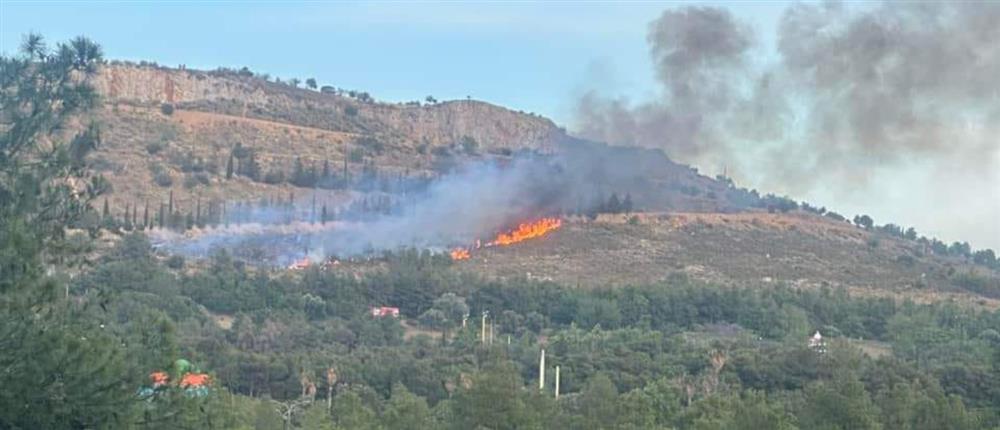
(541, 371)
(482, 335)
(557, 382)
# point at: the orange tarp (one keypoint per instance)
(195, 380)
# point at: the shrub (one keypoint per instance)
(351, 111)
(440, 151)
(633, 220)
(154, 147)
(469, 145)
(167, 109)
(175, 262)
(274, 176)
(356, 155)
(193, 180)
(977, 283)
(163, 179)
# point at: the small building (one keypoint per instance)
(385, 311)
(816, 343)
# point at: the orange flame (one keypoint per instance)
(301, 264)
(527, 230)
(524, 231)
(459, 254)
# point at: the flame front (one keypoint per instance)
(459, 254)
(527, 230)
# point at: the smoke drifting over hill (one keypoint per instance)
(850, 95)
(477, 201)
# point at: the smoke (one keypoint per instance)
(475, 202)
(849, 95)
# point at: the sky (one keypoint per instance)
(531, 56)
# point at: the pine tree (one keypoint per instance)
(614, 206)
(627, 203)
(229, 167)
(145, 216)
(323, 215)
(50, 377)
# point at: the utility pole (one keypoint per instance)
(557, 382)
(541, 371)
(482, 334)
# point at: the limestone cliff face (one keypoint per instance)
(439, 124)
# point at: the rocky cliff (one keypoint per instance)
(240, 95)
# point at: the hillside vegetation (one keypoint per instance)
(117, 334)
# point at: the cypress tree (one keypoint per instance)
(163, 215)
(145, 216)
(229, 167)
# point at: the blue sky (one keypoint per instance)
(531, 56)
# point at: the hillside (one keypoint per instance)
(210, 113)
(171, 133)
(750, 249)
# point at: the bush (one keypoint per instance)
(440, 151)
(154, 147)
(274, 176)
(167, 109)
(633, 220)
(163, 179)
(175, 262)
(356, 155)
(193, 180)
(351, 111)
(469, 145)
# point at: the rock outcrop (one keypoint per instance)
(492, 127)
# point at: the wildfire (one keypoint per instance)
(524, 231)
(527, 230)
(301, 264)
(459, 254)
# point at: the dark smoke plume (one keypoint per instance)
(847, 93)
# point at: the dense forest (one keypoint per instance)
(81, 332)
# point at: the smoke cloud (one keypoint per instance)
(848, 96)
(477, 201)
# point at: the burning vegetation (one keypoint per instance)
(523, 231)
(459, 254)
(527, 230)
